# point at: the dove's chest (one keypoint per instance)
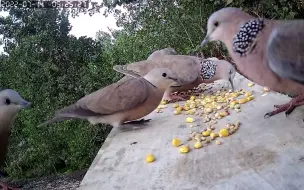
(249, 51)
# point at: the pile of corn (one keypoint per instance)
(211, 108)
(204, 137)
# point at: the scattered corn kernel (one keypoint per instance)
(198, 145)
(161, 106)
(176, 105)
(206, 133)
(208, 110)
(192, 98)
(224, 132)
(224, 113)
(250, 98)
(237, 106)
(164, 102)
(242, 101)
(266, 89)
(213, 135)
(150, 158)
(247, 94)
(176, 142)
(190, 120)
(250, 84)
(184, 149)
(219, 107)
(237, 110)
(177, 112)
(159, 110)
(218, 142)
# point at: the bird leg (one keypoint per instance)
(288, 108)
(141, 121)
(4, 186)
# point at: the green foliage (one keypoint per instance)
(53, 69)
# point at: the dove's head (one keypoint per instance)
(224, 23)
(163, 78)
(11, 101)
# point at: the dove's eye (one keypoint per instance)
(7, 101)
(216, 24)
(164, 74)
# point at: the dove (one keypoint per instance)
(10, 104)
(161, 52)
(267, 52)
(122, 102)
(154, 55)
(191, 70)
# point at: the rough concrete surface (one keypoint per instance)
(263, 154)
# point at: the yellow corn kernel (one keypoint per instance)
(237, 106)
(184, 149)
(190, 120)
(164, 102)
(208, 110)
(206, 133)
(266, 89)
(242, 101)
(250, 98)
(224, 132)
(186, 108)
(235, 94)
(213, 135)
(247, 94)
(150, 158)
(219, 107)
(158, 110)
(176, 142)
(224, 113)
(177, 112)
(192, 98)
(237, 110)
(198, 145)
(250, 84)
(218, 142)
(176, 105)
(161, 106)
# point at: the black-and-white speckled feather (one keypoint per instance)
(244, 40)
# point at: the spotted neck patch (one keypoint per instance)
(208, 68)
(244, 41)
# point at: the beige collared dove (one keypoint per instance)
(121, 102)
(268, 52)
(191, 70)
(162, 52)
(10, 104)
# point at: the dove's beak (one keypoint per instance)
(177, 80)
(231, 83)
(205, 41)
(25, 104)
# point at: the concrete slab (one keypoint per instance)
(263, 154)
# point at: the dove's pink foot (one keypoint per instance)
(288, 108)
(4, 186)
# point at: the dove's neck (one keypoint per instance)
(7, 117)
(208, 69)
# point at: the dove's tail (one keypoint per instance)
(124, 70)
(54, 120)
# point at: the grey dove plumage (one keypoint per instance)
(10, 104)
(190, 69)
(268, 52)
(162, 52)
(121, 102)
(154, 55)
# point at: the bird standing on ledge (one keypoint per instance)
(268, 52)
